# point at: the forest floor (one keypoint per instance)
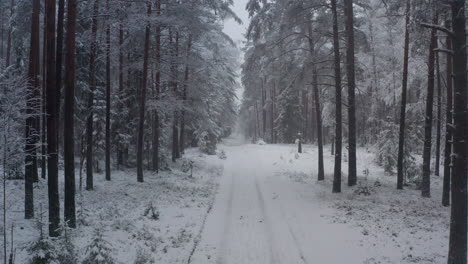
(262, 204)
(154, 222)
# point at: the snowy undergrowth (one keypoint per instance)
(396, 226)
(152, 222)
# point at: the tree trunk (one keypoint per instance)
(352, 177)
(306, 114)
(92, 88)
(401, 138)
(44, 99)
(108, 99)
(299, 143)
(175, 128)
(2, 15)
(439, 116)
(272, 116)
(332, 146)
(121, 91)
(10, 30)
(321, 174)
(338, 139)
(184, 96)
(313, 122)
(31, 111)
(448, 126)
(52, 155)
(69, 114)
(458, 221)
(257, 132)
(59, 51)
(155, 154)
(141, 121)
(264, 108)
(426, 177)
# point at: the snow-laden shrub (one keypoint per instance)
(207, 143)
(164, 160)
(363, 189)
(143, 257)
(151, 212)
(387, 150)
(99, 251)
(413, 170)
(43, 251)
(387, 147)
(65, 246)
(187, 166)
(222, 155)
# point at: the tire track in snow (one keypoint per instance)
(293, 235)
(266, 221)
(202, 227)
(227, 225)
(284, 219)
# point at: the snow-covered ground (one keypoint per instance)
(119, 208)
(267, 207)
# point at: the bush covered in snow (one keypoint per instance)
(207, 143)
(187, 166)
(43, 252)
(143, 257)
(65, 247)
(222, 155)
(99, 251)
(387, 150)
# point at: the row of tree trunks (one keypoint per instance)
(51, 70)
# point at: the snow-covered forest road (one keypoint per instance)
(270, 209)
(259, 217)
